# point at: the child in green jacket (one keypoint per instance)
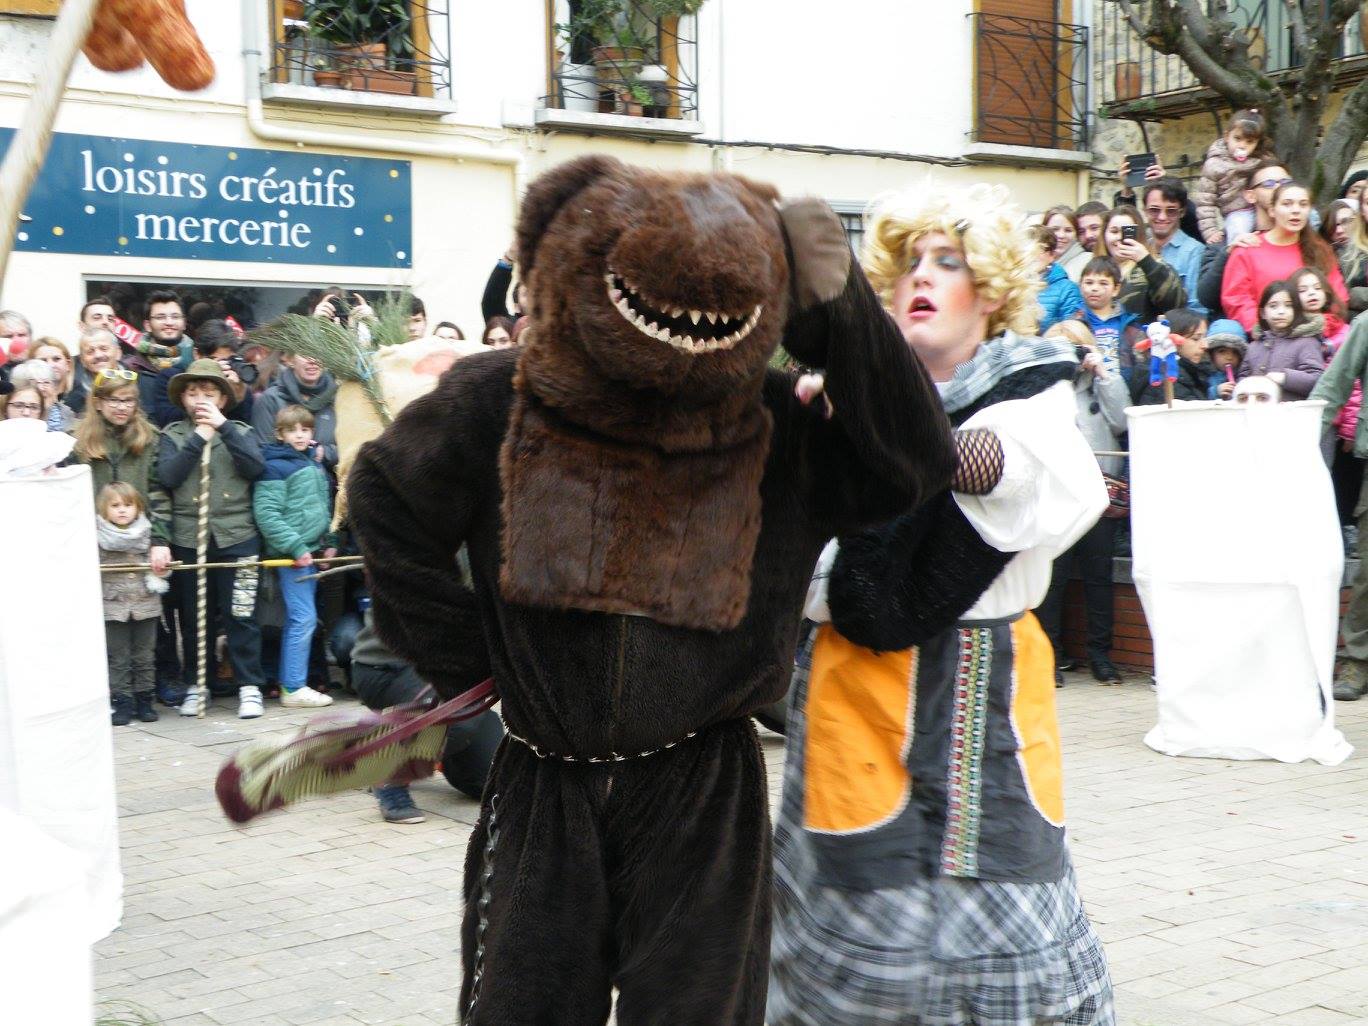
(234, 463)
(293, 508)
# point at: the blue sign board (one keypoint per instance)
(132, 197)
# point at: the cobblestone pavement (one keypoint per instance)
(1227, 893)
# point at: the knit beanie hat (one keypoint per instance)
(1351, 181)
(1227, 334)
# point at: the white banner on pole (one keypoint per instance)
(1237, 558)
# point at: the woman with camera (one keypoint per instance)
(1148, 285)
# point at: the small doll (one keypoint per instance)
(1163, 352)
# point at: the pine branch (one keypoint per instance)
(335, 347)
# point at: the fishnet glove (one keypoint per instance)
(979, 467)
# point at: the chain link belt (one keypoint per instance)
(542, 753)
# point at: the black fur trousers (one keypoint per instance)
(650, 875)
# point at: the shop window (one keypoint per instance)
(37, 8)
(624, 57)
(370, 46)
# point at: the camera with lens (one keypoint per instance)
(340, 307)
(246, 371)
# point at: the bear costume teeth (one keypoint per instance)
(690, 331)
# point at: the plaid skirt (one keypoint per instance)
(943, 951)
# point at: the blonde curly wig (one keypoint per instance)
(992, 232)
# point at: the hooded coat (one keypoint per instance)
(1060, 297)
(1220, 190)
(1298, 354)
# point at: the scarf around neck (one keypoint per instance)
(136, 537)
(995, 360)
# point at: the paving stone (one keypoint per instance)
(1227, 893)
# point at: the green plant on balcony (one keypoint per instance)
(372, 27)
(369, 41)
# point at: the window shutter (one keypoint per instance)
(1017, 67)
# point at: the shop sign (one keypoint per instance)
(133, 197)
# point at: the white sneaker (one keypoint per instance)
(191, 705)
(249, 702)
(304, 698)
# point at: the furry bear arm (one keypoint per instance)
(888, 445)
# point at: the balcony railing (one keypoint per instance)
(370, 46)
(1031, 82)
(632, 63)
(1136, 79)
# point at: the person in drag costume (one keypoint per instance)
(643, 501)
(921, 871)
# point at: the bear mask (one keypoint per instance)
(637, 442)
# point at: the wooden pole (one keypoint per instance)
(30, 144)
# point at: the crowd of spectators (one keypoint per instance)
(1252, 281)
(143, 406)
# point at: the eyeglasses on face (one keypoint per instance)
(109, 374)
(1163, 211)
(1272, 183)
(125, 403)
(167, 318)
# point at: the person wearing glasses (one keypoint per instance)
(1165, 202)
(25, 402)
(40, 375)
(1275, 254)
(162, 346)
(118, 442)
(1264, 178)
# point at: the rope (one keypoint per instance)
(30, 144)
(113, 568)
(201, 582)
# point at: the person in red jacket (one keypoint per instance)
(1290, 244)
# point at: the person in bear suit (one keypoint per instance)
(643, 500)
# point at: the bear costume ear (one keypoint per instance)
(546, 195)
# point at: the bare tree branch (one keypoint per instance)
(1295, 16)
(1343, 137)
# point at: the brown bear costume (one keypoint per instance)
(643, 500)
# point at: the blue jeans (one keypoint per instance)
(301, 617)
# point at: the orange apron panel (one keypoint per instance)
(1034, 719)
(859, 731)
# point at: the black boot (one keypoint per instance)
(143, 708)
(122, 712)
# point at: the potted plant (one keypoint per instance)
(324, 74)
(368, 39)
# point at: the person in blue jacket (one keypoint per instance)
(1060, 298)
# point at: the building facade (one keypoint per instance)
(380, 143)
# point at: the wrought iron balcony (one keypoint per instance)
(371, 46)
(1031, 82)
(625, 60)
(1138, 81)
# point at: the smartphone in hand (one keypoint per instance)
(1136, 166)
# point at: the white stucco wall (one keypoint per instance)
(877, 75)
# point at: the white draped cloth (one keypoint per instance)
(56, 749)
(1237, 559)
